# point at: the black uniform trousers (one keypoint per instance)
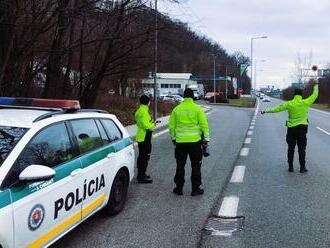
(297, 136)
(144, 155)
(194, 150)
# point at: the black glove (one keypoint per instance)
(205, 143)
(174, 143)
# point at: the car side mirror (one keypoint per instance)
(34, 173)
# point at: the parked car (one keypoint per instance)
(172, 98)
(178, 98)
(209, 95)
(59, 165)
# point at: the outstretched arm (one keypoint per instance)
(276, 109)
(310, 100)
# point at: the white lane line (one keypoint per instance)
(238, 174)
(229, 206)
(320, 111)
(251, 127)
(247, 141)
(161, 133)
(322, 130)
(245, 151)
(249, 133)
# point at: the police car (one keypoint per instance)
(59, 164)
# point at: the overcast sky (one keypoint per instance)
(291, 26)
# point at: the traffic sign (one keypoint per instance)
(243, 68)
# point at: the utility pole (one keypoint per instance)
(155, 62)
(226, 84)
(214, 100)
(254, 38)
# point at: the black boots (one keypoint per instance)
(302, 169)
(197, 191)
(177, 191)
(144, 179)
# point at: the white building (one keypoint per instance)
(168, 83)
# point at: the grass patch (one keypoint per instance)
(248, 102)
(323, 106)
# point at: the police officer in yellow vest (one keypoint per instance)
(297, 124)
(145, 126)
(187, 124)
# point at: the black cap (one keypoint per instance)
(298, 92)
(144, 99)
(188, 93)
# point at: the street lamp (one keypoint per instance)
(214, 101)
(254, 38)
(155, 62)
(255, 70)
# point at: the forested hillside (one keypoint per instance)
(82, 48)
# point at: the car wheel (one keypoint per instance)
(118, 194)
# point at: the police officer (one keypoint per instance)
(187, 124)
(145, 127)
(297, 124)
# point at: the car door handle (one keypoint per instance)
(111, 155)
(76, 172)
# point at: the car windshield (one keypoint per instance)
(9, 137)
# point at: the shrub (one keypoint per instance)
(219, 99)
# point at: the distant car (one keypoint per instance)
(266, 99)
(209, 95)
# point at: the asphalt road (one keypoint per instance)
(154, 216)
(281, 209)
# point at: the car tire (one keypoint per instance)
(118, 194)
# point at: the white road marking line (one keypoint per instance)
(247, 141)
(322, 130)
(161, 133)
(229, 206)
(250, 133)
(251, 127)
(238, 174)
(245, 151)
(320, 111)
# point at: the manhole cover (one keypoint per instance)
(224, 226)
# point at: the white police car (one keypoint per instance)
(57, 168)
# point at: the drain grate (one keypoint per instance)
(224, 226)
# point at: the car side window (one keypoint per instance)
(112, 130)
(104, 136)
(87, 134)
(50, 147)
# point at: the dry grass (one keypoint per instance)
(124, 107)
(320, 106)
(248, 102)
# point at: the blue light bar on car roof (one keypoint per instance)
(38, 102)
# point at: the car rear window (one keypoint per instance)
(9, 137)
